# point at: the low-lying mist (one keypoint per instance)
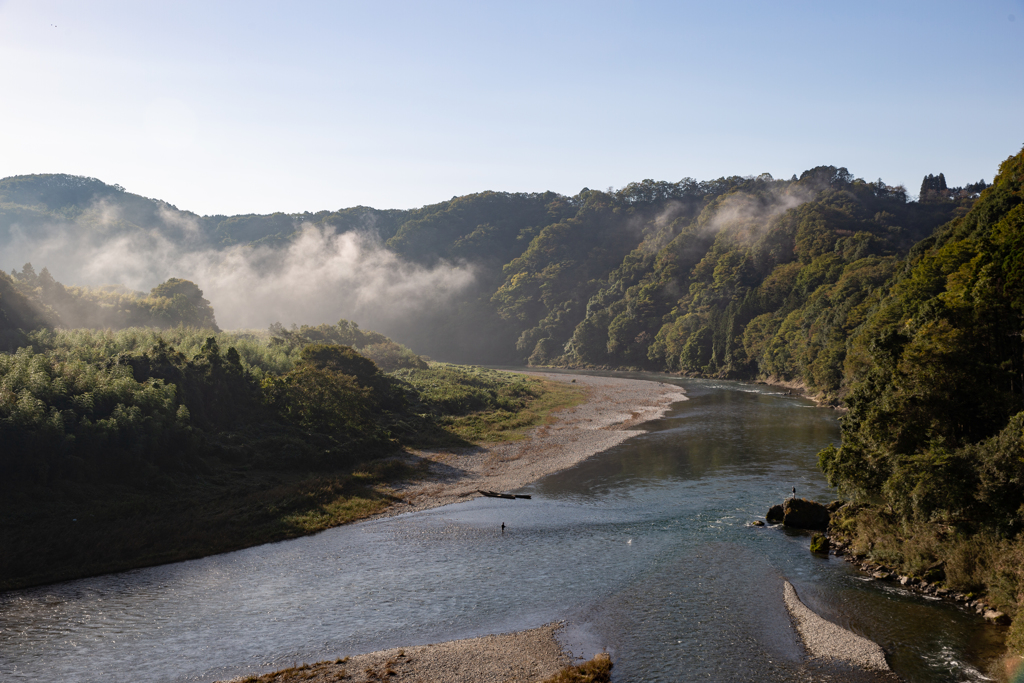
(747, 216)
(320, 276)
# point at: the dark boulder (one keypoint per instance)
(775, 514)
(805, 514)
(936, 572)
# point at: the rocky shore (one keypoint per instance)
(804, 514)
(819, 635)
(931, 588)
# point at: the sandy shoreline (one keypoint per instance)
(615, 407)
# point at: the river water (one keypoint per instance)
(645, 549)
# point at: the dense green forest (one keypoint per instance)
(170, 304)
(906, 313)
(656, 275)
(933, 443)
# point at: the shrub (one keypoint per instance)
(597, 670)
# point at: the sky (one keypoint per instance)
(256, 107)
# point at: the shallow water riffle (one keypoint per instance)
(645, 549)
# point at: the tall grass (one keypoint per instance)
(597, 670)
(459, 390)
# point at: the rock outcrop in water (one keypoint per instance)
(805, 514)
(800, 513)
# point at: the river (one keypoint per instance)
(645, 549)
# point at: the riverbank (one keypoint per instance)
(614, 408)
(960, 570)
(262, 480)
(448, 573)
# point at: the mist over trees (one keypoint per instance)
(50, 304)
(734, 277)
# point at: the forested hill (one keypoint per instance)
(937, 368)
(933, 443)
(738, 277)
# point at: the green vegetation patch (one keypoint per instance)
(257, 350)
(819, 544)
(481, 405)
(459, 390)
(964, 559)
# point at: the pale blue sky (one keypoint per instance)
(245, 107)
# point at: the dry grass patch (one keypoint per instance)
(597, 670)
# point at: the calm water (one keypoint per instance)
(645, 549)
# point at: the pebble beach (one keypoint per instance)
(531, 655)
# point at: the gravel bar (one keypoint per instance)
(825, 640)
(522, 657)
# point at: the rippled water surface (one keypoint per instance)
(645, 549)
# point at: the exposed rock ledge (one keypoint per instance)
(825, 640)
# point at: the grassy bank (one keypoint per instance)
(57, 534)
(480, 405)
(199, 453)
(597, 670)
